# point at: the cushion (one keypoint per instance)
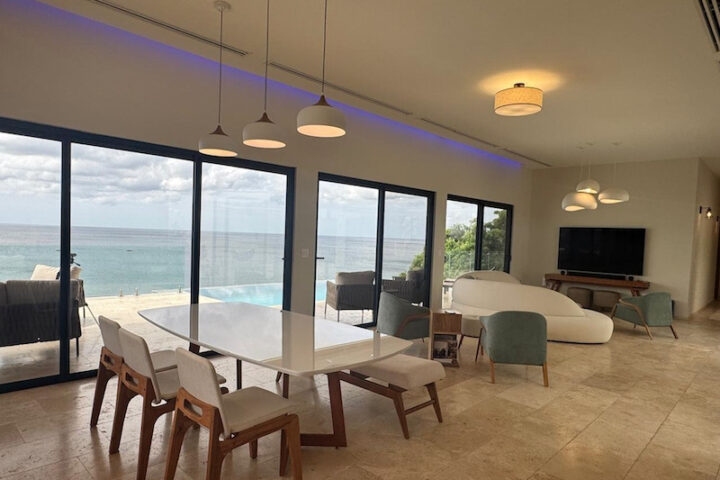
(169, 382)
(415, 276)
(355, 278)
(251, 406)
(404, 371)
(3, 294)
(491, 275)
(45, 272)
(164, 360)
(75, 272)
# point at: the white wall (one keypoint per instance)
(662, 200)
(67, 71)
(704, 259)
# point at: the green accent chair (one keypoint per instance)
(400, 318)
(651, 310)
(515, 337)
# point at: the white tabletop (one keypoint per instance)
(288, 342)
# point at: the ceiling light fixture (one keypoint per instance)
(321, 119)
(264, 133)
(575, 201)
(589, 185)
(217, 143)
(614, 195)
(518, 100)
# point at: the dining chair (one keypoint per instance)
(157, 389)
(516, 337)
(650, 310)
(111, 359)
(240, 417)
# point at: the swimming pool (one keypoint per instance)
(268, 294)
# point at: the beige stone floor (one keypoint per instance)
(632, 408)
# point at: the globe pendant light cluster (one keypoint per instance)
(263, 133)
(217, 143)
(321, 119)
(318, 120)
(583, 198)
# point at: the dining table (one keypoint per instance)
(290, 343)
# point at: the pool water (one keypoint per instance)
(267, 294)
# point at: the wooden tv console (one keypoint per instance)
(555, 280)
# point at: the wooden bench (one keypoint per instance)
(401, 373)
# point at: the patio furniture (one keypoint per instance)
(111, 360)
(411, 288)
(401, 373)
(233, 419)
(516, 337)
(284, 341)
(351, 291)
(400, 318)
(651, 310)
(30, 312)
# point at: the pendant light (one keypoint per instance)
(588, 185)
(264, 133)
(321, 119)
(613, 195)
(217, 143)
(576, 201)
(518, 101)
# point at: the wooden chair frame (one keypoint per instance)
(109, 366)
(641, 317)
(480, 349)
(186, 408)
(131, 384)
(395, 393)
(544, 369)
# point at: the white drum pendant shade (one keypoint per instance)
(613, 195)
(518, 100)
(217, 144)
(588, 186)
(263, 134)
(321, 120)
(575, 201)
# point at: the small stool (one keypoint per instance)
(581, 296)
(402, 373)
(605, 300)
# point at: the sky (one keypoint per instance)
(115, 188)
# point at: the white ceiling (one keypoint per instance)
(624, 80)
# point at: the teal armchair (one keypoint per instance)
(515, 337)
(400, 318)
(651, 310)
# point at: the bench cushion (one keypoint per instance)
(404, 371)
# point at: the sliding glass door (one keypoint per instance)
(130, 242)
(94, 225)
(30, 174)
(468, 248)
(242, 246)
(371, 237)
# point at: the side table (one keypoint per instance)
(444, 330)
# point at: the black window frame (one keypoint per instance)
(480, 230)
(67, 137)
(382, 188)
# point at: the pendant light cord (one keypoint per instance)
(220, 69)
(324, 43)
(267, 50)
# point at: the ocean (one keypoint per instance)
(233, 266)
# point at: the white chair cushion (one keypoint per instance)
(404, 371)
(252, 406)
(44, 272)
(163, 360)
(355, 278)
(169, 383)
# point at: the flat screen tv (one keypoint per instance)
(617, 251)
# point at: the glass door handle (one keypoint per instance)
(319, 258)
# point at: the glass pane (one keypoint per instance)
(29, 257)
(460, 243)
(243, 235)
(493, 241)
(131, 221)
(404, 253)
(346, 246)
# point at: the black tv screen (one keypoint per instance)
(602, 250)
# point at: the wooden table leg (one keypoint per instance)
(338, 438)
(635, 292)
(286, 385)
(238, 375)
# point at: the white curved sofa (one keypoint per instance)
(475, 296)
